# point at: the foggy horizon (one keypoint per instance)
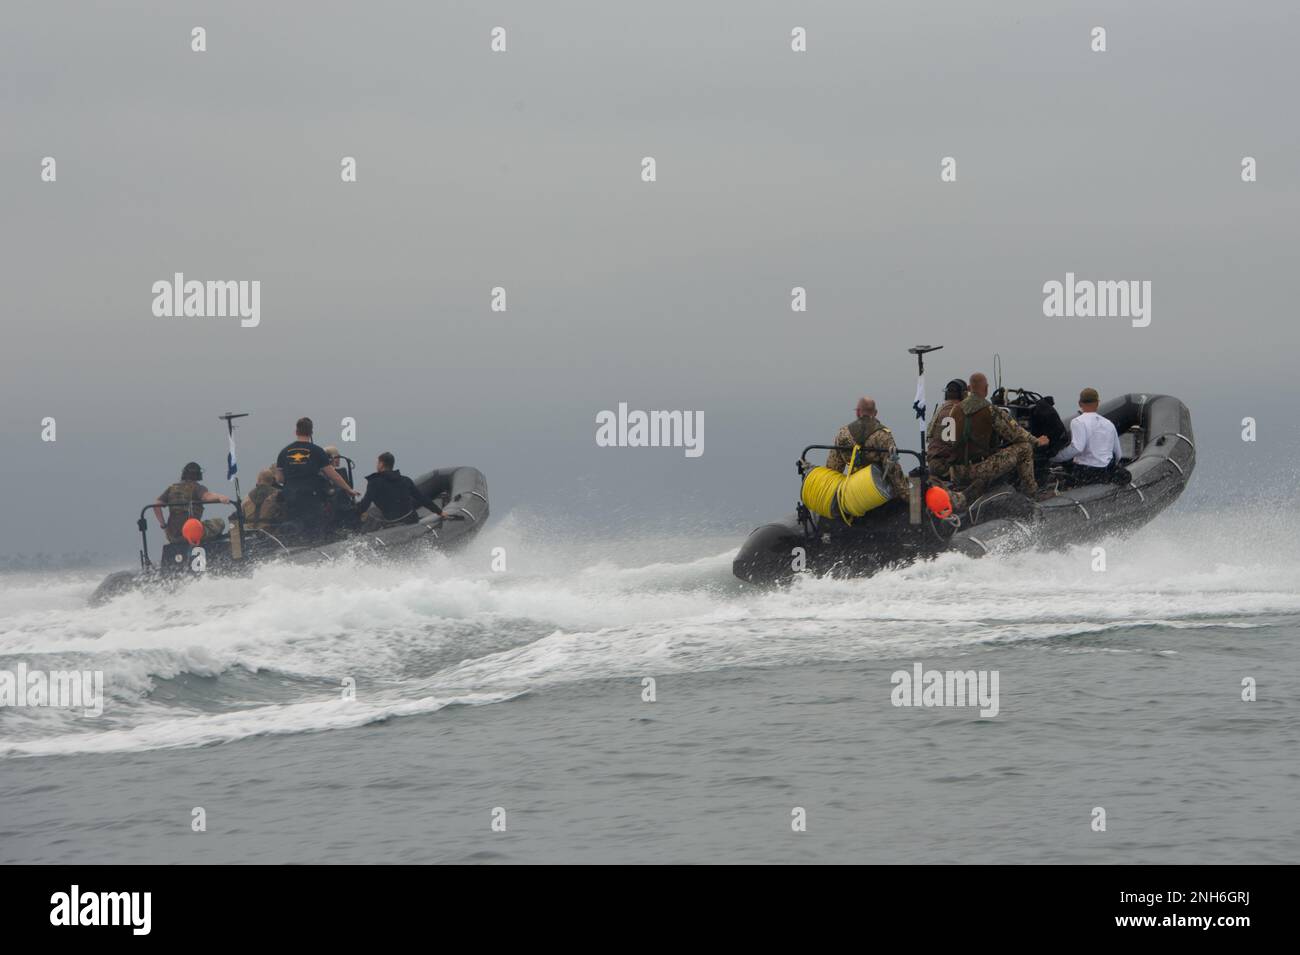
(522, 170)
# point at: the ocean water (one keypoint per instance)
(517, 698)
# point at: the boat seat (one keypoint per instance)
(1128, 446)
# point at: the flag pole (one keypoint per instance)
(918, 405)
(232, 470)
(232, 467)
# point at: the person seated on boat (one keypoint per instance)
(340, 509)
(395, 494)
(185, 499)
(1093, 451)
(989, 444)
(264, 506)
(1045, 420)
(877, 447)
(336, 462)
(304, 470)
(939, 453)
(940, 450)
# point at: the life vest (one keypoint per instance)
(183, 500)
(860, 430)
(936, 448)
(975, 440)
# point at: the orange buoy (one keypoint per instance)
(938, 501)
(192, 531)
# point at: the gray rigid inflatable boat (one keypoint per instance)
(1158, 451)
(463, 495)
(460, 492)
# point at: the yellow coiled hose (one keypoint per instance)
(831, 494)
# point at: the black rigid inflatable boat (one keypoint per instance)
(460, 492)
(1159, 453)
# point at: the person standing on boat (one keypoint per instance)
(1094, 443)
(305, 471)
(878, 447)
(975, 452)
(395, 493)
(185, 499)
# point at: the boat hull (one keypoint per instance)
(460, 492)
(1157, 429)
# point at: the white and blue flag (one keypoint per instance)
(232, 466)
(919, 404)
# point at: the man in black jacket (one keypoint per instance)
(1044, 419)
(395, 493)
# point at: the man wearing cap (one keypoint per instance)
(1094, 443)
(185, 499)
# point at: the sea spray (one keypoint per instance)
(224, 659)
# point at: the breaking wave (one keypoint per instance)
(225, 659)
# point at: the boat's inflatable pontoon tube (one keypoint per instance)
(1159, 453)
(461, 493)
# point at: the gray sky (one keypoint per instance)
(521, 169)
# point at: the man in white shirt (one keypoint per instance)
(1094, 443)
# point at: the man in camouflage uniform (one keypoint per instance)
(264, 507)
(877, 444)
(185, 499)
(940, 453)
(976, 457)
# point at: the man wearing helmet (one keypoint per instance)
(185, 499)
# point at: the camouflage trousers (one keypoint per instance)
(1014, 457)
(896, 480)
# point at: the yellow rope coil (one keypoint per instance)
(830, 494)
(862, 491)
(820, 486)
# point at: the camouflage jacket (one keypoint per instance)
(877, 449)
(1008, 429)
(183, 500)
(263, 506)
